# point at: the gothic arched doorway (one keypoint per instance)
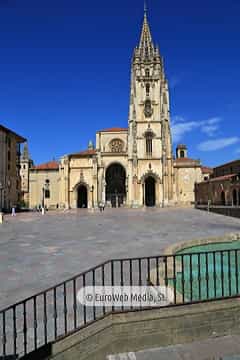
(150, 191)
(82, 197)
(223, 201)
(115, 185)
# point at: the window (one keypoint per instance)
(47, 194)
(9, 155)
(234, 197)
(149, 146)
(147, 89)
(182, 154)
(147, 73)
(116, 146)
(149, 135)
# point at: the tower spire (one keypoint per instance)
(25, 154)
(146, 45)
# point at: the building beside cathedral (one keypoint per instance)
(132, 166)
(10, 180)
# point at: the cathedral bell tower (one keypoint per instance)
(150, 161)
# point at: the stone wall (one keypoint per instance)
(9, 171)
(139, 330)
(233, 211)
(37, 180)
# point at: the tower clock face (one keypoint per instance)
(148, 108)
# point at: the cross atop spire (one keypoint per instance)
(145, 8)
(146, 46)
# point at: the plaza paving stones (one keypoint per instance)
(37, 251)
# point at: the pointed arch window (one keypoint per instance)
(149, 142)
(147, 73)
(47, 194)
(147, 89)
(149, 146)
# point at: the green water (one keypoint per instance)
(208, 276)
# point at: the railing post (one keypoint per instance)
(74, 304)
(199, 277)
(112, 280)
(174, 279)
(183, 280)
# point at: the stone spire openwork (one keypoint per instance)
(146, 46)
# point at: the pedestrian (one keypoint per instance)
(13, 210)
(101, 206)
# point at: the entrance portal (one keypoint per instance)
(150, 193)
(82, 200)
(115, 185)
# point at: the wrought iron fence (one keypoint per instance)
(39, 320)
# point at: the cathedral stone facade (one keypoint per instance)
(133, 166)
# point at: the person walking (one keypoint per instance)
(13, 210)
(101, 206)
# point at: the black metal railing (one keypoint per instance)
(39, 320)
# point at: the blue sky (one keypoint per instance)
(65, 71)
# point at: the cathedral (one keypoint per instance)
(128, 167)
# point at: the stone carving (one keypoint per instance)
(81, 176)
(116, 146)
(148, 111)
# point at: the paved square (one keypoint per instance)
(37, 251)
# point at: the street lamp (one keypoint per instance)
(92, 189)
(43, 196)
(44, 188)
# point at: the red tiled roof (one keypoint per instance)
(114, 130)
(85, 152)
(185, 160)
(88, 152)
(207, 170)
(221, 178)
(51, 165)
(183, 146)
(227, 164)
